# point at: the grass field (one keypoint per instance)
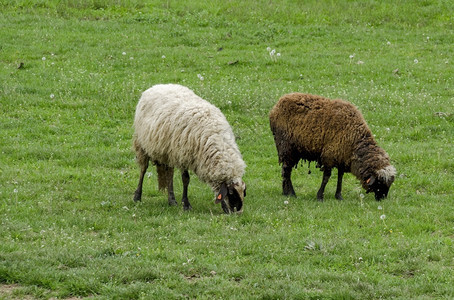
(71, 73)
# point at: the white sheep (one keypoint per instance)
(175, 128)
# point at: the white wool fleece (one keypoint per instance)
(387, 174)
(178, 128)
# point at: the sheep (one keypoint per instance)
(332, 133)
(175, 128)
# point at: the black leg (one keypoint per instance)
(171, 195)
(340, 173)
(287, 186)
(185, 200)
(143, 169)
(326, 176)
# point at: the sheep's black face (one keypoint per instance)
(232, 203)
(231, 197)
(379, 187)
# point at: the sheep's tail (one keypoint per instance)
(141, 156)
(165, 175)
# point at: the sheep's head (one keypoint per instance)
(231, 196)
(380, 182)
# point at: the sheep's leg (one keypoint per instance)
(287, 186)
(171, 195)
(185, 200)
(340, 173)
(143, 162)
(326, 176)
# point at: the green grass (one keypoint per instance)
(69, 226)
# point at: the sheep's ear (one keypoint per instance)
(222, 192)
(370, 181)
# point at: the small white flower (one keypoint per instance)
(200, 77)
(278, 54)
(272, 52)
(285, 202)
(15, 191)
(361, 196)
(163, 57)
(43, 58)
(360, 62)
(382, 217)
(351, 56)
(229, 102)
(268, 49)
(125, 208)
(416, 61)
(52, 96)
(360, 258)
(388, 129)
(131, 58)
(124, 53)
(379, 207)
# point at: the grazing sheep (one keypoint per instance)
(334, 134)
(176, 128)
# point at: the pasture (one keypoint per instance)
(71, 73)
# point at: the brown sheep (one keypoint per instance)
(332, 133)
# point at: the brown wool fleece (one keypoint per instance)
(331, 132)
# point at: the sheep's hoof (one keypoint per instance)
(339, 197)
(287, 188)
(172, 202)
(137, 196)
(289, 193)
(187, 208)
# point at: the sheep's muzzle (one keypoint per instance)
(381, 192)
(232, 204)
